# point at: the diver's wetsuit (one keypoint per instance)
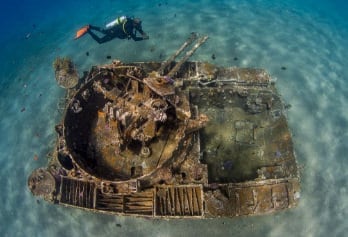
(127, 30)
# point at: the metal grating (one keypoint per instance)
(77, 192)
(135, 203)
(179, 200)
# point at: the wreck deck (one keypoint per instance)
(173, 140)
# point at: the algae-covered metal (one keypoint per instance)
(173, 140)
(65, 73)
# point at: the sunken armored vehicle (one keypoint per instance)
(172, 140)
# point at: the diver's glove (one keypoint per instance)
(145, 37)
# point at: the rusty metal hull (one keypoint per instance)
(206, 142)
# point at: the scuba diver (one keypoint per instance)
(122, 27)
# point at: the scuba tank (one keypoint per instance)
(118, 21)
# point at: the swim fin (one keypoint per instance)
(81, 32)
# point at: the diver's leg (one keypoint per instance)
(100, 40)
(97, 28)
(107, 37)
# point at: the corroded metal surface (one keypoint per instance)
(169, 141)
(42, 183)
(65, 73)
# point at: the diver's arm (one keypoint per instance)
(136, 38)
(143, 34)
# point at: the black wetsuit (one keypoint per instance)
(125, 30)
